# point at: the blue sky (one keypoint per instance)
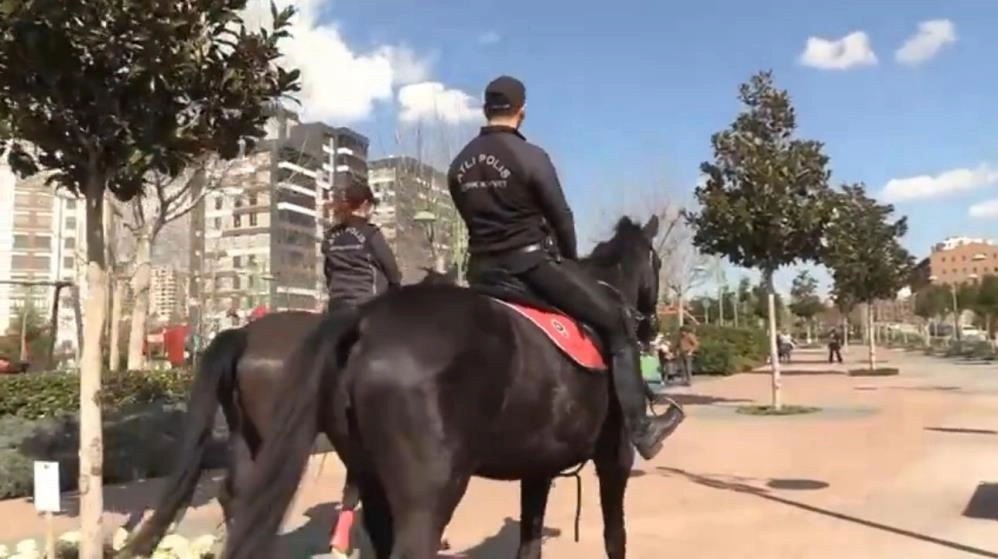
(624, 95)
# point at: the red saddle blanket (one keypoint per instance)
(565, 334)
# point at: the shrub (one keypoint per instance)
(725, 350)
(142, 422)
(51, 394)
(770, 410)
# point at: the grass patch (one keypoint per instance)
(770, 410)
(878, 372)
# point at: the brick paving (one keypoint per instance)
(885, 470)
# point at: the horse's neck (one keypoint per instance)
(613, 275)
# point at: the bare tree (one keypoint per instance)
(144, 218)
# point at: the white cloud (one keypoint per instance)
(947, 182)
(850, 51)
(930, 38)
(986, 209)
(489, 38)
(339, 84)
(433, 101)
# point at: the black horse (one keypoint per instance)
(239, 372)
(431, 385)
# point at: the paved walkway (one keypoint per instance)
(887, 470)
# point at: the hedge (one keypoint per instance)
(726, 350)
(38, 395)
(143, 416)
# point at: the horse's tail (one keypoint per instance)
(217, 368)
(281, 460)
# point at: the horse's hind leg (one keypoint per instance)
(377, 516)
(422, 506)
(240, 465)
(614, 460)
(533, 503)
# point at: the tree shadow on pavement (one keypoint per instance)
(500, 545)
(739, 485)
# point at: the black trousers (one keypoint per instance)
(834, 351)
(565, 285)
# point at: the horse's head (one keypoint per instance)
(632, 252)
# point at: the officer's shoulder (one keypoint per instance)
(536, 150)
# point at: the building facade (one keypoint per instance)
(41, 241)
(167, 294)
(264, 219)
(958, 260)
(406, 187)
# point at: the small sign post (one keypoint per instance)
(47, 499)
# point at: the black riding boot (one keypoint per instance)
(647, 433)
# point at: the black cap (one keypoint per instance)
(505, 93)
(355, 194)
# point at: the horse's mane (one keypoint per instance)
(626, 235)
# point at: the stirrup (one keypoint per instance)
(672, 403)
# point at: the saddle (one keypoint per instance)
(578, 341)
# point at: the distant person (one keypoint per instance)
(359, 265)
(688, 346)
(835, 346)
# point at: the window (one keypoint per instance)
(22, 241)
(218, 203)
(237, 221)
(71, 204)
(251, 199)
(237, 261)
(71, 223)
(217, 223)
(251, 261)
(43, 241)
(68, 262)
(70, 243)
(235, 283)
(252, 219)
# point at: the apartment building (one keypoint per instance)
(407, 187)
(167, 294)
(41, 240)
(263, 220)
(958, 260)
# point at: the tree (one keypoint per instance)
(931, 303)
(986, 303)
(105, 93)
(864, 253)
(804, 300)
(144, 218)
(764, 203)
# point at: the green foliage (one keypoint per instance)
(986, 302)
(760, 301)
(863, 249)
(804, 300)
(109, 91)
(725, 350)
(933, 301)
(966, 296)
(38, 421)
(53, 394)
(765, 202)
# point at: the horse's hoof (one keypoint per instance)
(444, 545)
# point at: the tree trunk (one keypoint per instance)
(774, 354)
(91, 439)
(140, 302)
(845, 332)
(680, 308)
(871, 336)
(117, 299)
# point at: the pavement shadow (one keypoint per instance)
(962, 430)
(312, 537)
(696, 399)
(789, 371)
(739, 485)
(501, 545)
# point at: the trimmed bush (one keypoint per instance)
(143, 418)
(877, 372)
(726, 350)
(41, 395)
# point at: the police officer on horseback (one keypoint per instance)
(359, 265)
(519, 223)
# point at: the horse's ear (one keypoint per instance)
(651, 228)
